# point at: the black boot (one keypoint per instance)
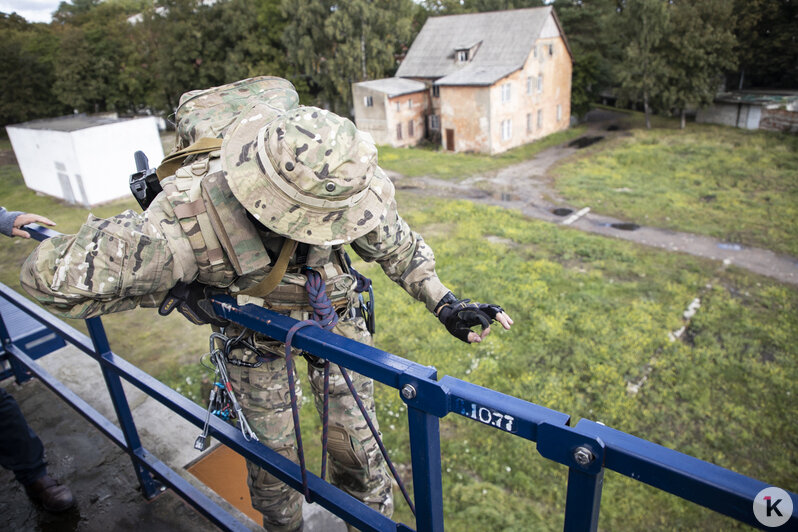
(53, 496)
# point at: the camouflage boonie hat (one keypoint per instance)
(307, 174)
(209, 112)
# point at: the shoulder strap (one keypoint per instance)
(270, 282)
(173, 161)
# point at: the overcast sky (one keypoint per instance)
(32, 10)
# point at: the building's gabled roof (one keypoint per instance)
(505, 38)
(393, 86)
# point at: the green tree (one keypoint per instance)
(367, 35)
(27, 53)
(699, 53)
(589, 29)
(97, 67)
(172, 37)
(358, 40)
(768, 43)
(308, 48)
(642, 70)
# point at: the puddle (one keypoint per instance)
(584, 142)
(730, 247)
(624, 226)
(562, 211)
(613, 127)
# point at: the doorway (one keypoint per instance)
(450, 139)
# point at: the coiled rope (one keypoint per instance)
(324, 316)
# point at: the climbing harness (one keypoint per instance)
(363, 283)
(324, 316)
(223, 402)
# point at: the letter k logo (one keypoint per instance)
(772, 506)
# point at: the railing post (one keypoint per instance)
(583, 500)
(20, 375)
(149, 486)
(425, 450)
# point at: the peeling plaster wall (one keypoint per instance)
(401, 110)
(466, 111)
(526, 100)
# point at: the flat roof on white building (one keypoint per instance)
(393, 86)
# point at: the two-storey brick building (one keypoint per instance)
(489, 81)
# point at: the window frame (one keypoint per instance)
(507, 94)
(507, 129)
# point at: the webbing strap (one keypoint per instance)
(187, 210)
(267, 285)
(173, 161)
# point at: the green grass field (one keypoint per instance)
(592, 315)
(735, 185)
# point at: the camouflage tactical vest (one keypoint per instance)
(230, 251)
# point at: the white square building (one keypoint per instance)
(84, 160)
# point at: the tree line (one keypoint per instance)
(134, 56)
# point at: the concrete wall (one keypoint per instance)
(371, 119)
(731, 114)
(87, 166)
(402, 110)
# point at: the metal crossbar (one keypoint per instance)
(587, 449)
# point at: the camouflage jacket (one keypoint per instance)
(133, 259)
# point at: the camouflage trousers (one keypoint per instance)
(355, 463)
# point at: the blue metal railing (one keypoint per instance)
(587, 449)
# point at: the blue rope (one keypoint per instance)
(324, 316)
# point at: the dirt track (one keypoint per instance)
(526, 187)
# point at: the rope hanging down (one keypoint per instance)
(324, 316)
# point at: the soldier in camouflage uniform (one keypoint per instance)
(287, 179)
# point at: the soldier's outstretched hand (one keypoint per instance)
(28, 218)
(458, 316)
